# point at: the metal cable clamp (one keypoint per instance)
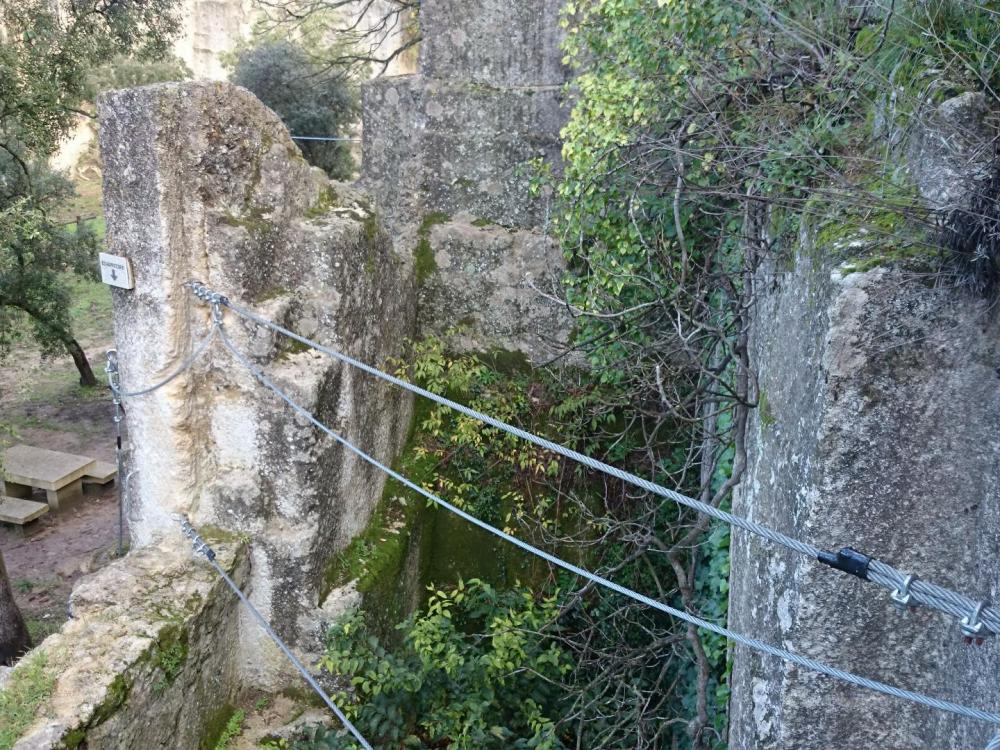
(974, 630)
(902, 596)
(197, 543)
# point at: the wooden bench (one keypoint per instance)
(59, 474)
(20, 512)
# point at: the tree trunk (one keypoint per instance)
(82, 365)
(14, 638)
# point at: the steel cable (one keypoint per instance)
(811, 664)
(879, 572)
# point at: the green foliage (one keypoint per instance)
(44, 60)
(309, 98)
(703, 133)
(44, 65)
(171, 653)
(29, 687)
(126, 71)
(941, 47)
(41, 628)
(34, 253)
(232, 729)
(460, 451)
(475, 670)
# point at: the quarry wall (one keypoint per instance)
(210, 29)
(878, 427)
(448, 160)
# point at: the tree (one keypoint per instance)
(46, 51)
(14, 638)
(310, 100)
(33, 253)
(125, 72)
(373, 33)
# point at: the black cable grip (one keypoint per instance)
(849, 560)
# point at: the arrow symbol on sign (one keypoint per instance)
(114, 275)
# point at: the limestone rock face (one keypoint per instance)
(493, 275)
(878, 428)
(202, 182)
(497, 44)
(457, 141)
(210, 29)
(952, 148)
(442, 146)
(150, 657)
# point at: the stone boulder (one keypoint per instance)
(150, 658)
(951, 148)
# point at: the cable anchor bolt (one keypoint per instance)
(902, 596)
(197, 543)
(974, 630)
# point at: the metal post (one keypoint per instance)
(111, 368)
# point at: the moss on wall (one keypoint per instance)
(423, 255)
(881, 231)
(410, 543)
(116, 697)
(214, 726)
(764, 406)
(326, 200)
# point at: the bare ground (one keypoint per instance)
(42, 404)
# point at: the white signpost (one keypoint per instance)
(117, 271)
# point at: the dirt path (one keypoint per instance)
(44, 566)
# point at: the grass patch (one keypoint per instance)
(41, 628)
(232, 729)
(87, 199)
(51, 425)
(96, 225)
(90, 308)
(170, 660)
(63, 385)
(29, 687)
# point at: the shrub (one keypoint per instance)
(310, 99)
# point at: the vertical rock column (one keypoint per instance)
(202, 182)
(448, 156)
(878, 428)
